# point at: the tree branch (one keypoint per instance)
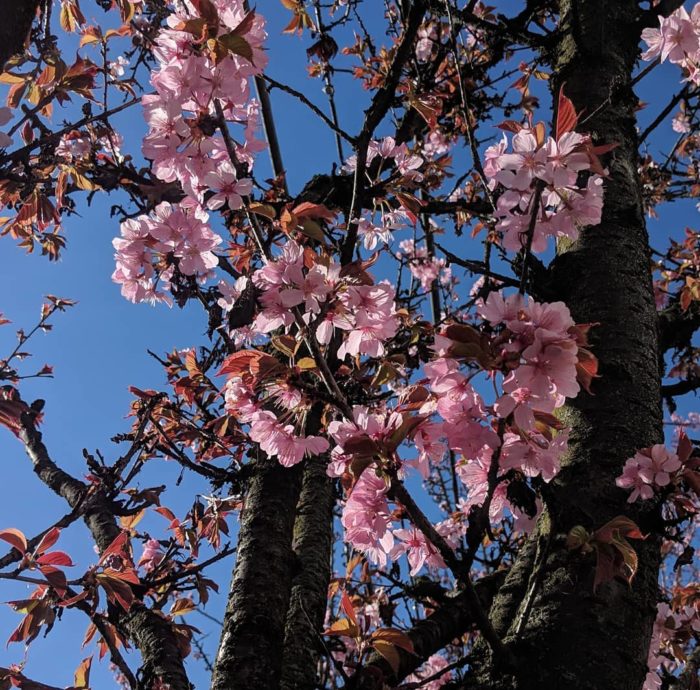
(436, 631)
(151, 633)
(381, 102)
(459, 569)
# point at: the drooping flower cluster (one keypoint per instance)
(150, 246)
(648, 471)
(367, 518)
(537, 348)
(249, 396)
(299, 279)
(677, 40)
(669, 628)
(550, 187)
(200, 87)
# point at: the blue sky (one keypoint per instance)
(98, 348)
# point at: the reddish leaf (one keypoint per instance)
(15, 538)
(182, 606)
(117, 547)
(567, 119)
(55, 558)
(310, 210)
(685, 447)
(48, 540)
(586, 369)
(11, 411)
(411, 204)
(349, 609)
(56, 578)
(615, 555)
(239, 363)
(117, 589)
(510, 126)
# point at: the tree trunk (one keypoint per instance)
(16, 17)
(570, 636)
(252, 637)
(313, 541)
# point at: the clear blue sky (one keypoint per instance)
(99, 347)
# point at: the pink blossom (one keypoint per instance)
(367, 336)
(366, 517)
(430, 668)
(420, 552)
(227, 188)
(534, 457)
(282, 442)
(474, 473)
(151, 556)
(649, 469)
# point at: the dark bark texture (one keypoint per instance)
(252, 637)
(16, 17)
(313, 541)
(565, 634)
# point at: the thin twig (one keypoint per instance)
(312, 106)
(399, 493)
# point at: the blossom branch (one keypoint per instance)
(381, 102)
(459, 569)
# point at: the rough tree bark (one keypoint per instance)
(566, 635)
(16, 17)
(252, 636)
(313, 541)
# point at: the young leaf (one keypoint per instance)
(48, 540)
(567, 119)
(15, 538)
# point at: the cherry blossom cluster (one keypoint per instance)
(387, 150)
(189, 85)
(677, 40)
(367, 518)
(275, 436)
(650, 470)
(663, 646)
(194, 86)
(548, 187)
(300, 286)
(537, 347)
(150, 247)
(301, 279)
(424, 268)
